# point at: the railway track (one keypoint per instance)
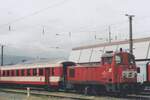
(139, 96)
(75, 96)
(50, 94)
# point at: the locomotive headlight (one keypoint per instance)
(129, 74)
(124, 75)
(135, 74)
(110, 70)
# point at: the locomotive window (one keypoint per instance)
(22, 72)
(17, 72)
(41, 72)
(118, 59)
(71, 72)
(131, 59)
(52, 71)
(138, 70)
(28, 72)
(107, 60)
(34, 72)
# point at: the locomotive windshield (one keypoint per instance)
(107, 60)
(118, 59)
(131, 59)
(124, 58)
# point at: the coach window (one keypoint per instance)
(34, 72)
(52, 71)
(71, 72)
(22, 72)
(7, 73)
(28, 72)
(3, 72)
(40, 72)
(17, 72)
(12, 72)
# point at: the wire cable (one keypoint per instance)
(34, 13)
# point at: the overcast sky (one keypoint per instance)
(50, 28)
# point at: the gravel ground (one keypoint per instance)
(14, 96)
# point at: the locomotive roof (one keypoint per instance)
(112, 43)
(112, 53)
(107, 54)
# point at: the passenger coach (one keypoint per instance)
(49, 75)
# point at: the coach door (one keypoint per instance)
(47, 75)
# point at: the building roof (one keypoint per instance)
(112, 43)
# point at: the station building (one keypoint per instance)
(92, 53)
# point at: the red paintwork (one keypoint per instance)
(23, 82)
(89, 74)
(58, 71)
(101, 74)
(29, 83)
(148, 73)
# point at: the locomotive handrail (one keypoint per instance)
(147, 76)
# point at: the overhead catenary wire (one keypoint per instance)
(98, 32)
(34, 13)
(51, 6)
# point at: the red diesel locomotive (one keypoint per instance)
(115, 73)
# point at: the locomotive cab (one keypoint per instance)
(124, 64)
(120, 69)
(107, 58)
(115, 73)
